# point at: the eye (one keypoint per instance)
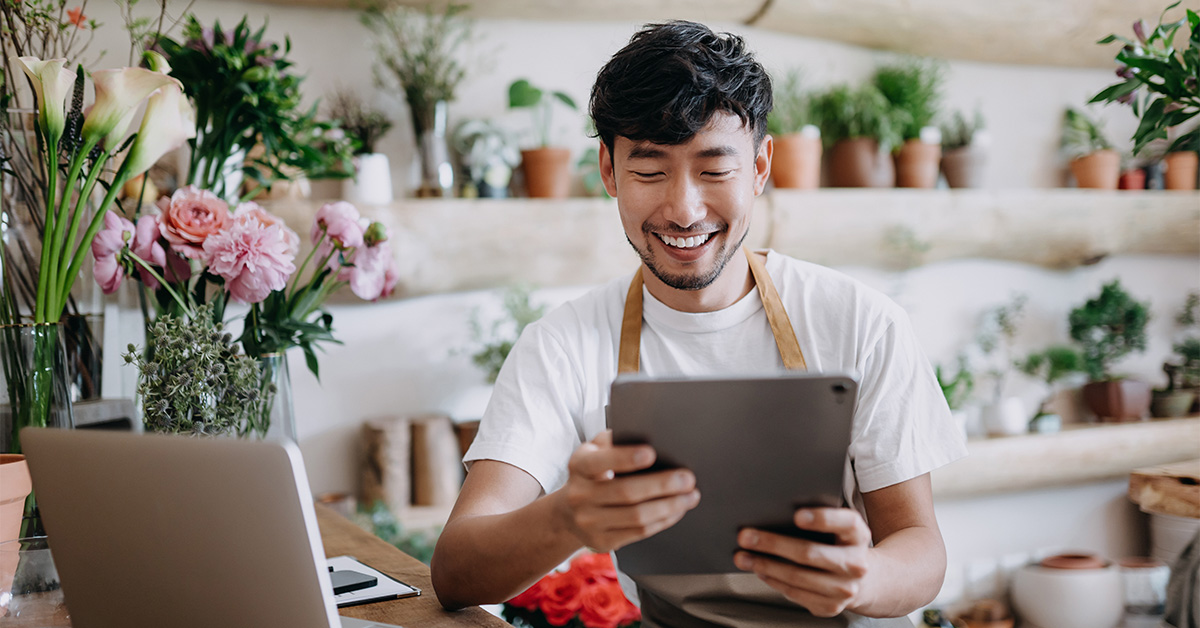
(716, 173)
(646, 175)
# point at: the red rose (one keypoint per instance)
(528, 599)
(595, 567)
(632, 614)
(604, 606)
(561, 597)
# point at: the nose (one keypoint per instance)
(684, 203)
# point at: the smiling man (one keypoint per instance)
(681, 116)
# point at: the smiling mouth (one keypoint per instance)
(689, 242)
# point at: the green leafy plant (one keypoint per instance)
(847, 113)
(793, 106)
(488, 152)
(195, 380)
(1170, 77)
(365, 125)
(1052, 365)
(959, 132)
(914, 90)
(1108, 327)
(522, 94)
(957, 387)
(498, 341)
(996, 335)
(589, 170)
(379, 520)
(1082, 135)
(1187, 371)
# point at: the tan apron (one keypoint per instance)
(724, 600)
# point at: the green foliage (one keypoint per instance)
(522, 94)
(793, 106)
(1082, 135)
(1188, 316)
(914, 90)
(196, 380)
(1108, 327)
(1160, 81)
(996, 334)
(956, 388)
(245, 95)
(1053, 364)
(519, 312)
(847, 113)
(589, 170)
(364, 124)
(379, 520)
(958, 132)
(1188, 349)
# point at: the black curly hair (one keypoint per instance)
(666, 84)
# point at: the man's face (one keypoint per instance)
(686, 208)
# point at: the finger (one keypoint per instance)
(620, 537)
(636, 489)
(602, 463)
(842, 588)
(603, 439)
(647, 514)
(844, 523)
(846, 560)
(816, 604)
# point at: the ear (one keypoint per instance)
(762, 164)
(607, 174)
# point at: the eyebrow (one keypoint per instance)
(649, 151)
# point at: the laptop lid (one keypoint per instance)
(154, 530)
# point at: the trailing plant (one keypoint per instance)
(914, 90)
(522, 94)
(1161, 82)
(1108, 327)
(365, 125)
(793, 106)
(847, 113)
(1082, 135)
(498, 341)
(996, 335)
(957, 388)
(959, 132)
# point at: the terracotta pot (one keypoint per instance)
(14, 488)
(547, 172)
(1099, 170)
(963, 167)
(1118, 399)
(796, 162)
(858, 163)
(1134, 179)
(1181, 170)
(1172, 404)
(917, 164)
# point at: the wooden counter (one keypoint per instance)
(341, 537)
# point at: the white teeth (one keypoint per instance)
(685, 243)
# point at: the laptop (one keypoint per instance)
(154, 530)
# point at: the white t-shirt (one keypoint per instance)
(551, 393)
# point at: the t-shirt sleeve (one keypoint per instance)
(902, 425)
(529, 422)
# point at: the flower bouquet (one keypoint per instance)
(587, 595)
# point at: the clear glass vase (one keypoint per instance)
(429, 129)
(277, 419)
(30, 592)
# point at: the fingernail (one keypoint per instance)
(682, 480)
(749, 539)
(804, 517)
(743, 561)
(643, 457)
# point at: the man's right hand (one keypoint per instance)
(607, 510)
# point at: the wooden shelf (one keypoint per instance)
(456, 245)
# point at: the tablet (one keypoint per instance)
(760, 447)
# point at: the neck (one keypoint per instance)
(734, 282)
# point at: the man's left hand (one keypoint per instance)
(825, 579)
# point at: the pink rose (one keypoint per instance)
(114, 237)
(189, 217)
(250, 208)
(342, 223)
(251, 257)
(372, 272)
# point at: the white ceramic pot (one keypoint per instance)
(1069, 598)
(373, 185)
(1006, 417)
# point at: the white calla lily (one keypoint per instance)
(157, 62)
(52, 83)
(118, 95)
(169, 122)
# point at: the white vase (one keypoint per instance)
(373, 185)
(1006, 417)
(1069, 598)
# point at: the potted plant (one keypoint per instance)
(372, 181)
(1108, 327)
(1092, 159)
(1133, 175)
(1052, 365)
(964, 150)
(796, 162)
(1160, 81)
(418, 49)
(488, 155)
(957, 388)
(1183, 375)
(913, 88)
(547, 168)
(860, 128)
(1003, 414)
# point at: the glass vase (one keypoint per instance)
(429, 129)
(277, 419)
(31, 595)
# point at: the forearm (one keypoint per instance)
(905, 573)
(487, 559)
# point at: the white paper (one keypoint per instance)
(387, 588)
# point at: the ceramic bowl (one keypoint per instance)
(1069, 598)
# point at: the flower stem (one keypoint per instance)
(93, 228)
(163, 282)
(300, 271)
(44, 283)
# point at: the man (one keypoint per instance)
(681, 115)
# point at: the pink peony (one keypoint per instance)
(148, 247)
(343, 225)
(373, 272)
(189, 217)
(251, 257)
(114, 237)
(267, 219)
